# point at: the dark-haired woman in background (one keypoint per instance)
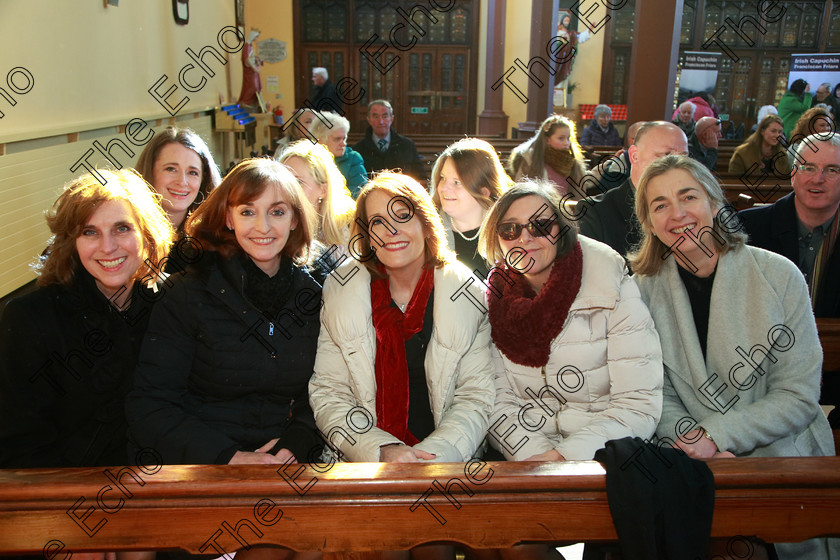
(223, 374)
(466, 180)
(179, 166)
(793, 103)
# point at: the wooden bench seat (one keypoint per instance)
(354, 508)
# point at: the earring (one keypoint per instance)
(319, 200)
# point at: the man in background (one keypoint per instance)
(703, 142)
(325, 97)
(611, 217)
(382, 148)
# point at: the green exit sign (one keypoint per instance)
(419, 110)
(723, 117)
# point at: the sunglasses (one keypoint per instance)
(537, 228)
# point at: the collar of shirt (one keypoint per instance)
(819, 231)
(376, 139)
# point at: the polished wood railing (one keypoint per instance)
(358, 508)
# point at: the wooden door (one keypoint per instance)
(434, 75)
(436, 91)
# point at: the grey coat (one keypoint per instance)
(750, 413)
(757, 295)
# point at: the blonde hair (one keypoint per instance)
(245, 183)
(437, 252)
(337, 206)
(76, 205)
(478, 166)
(648, 257)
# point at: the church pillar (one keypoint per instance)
(653, 64)
(493, 119)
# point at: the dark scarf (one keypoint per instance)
(561, 161)
(392, 330)
(267, 293)
(824, 257)
(523, 323)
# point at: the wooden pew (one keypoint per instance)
(352, 509)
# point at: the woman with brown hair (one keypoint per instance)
(180, 167)
(467, 179)
(553, 153)
(223, 374)
(763, 148)
(68, 349)
(402, 341)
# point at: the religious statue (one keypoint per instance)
(251, 85)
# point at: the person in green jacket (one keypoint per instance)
(794, 102)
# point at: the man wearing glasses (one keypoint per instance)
(803, 226)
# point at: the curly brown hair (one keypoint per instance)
(77, 204)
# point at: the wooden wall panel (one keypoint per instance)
(33, 179)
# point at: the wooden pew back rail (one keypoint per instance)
(346, 508)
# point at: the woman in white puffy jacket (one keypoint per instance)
(577, 357)
(403, 371)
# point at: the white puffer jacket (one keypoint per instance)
(603, 379)
(459, 369)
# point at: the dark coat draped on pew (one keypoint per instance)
(66, 363)
(215, 376)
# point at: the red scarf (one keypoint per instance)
(523, 323)
(392, 330)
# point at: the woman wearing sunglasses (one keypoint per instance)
(570, 332)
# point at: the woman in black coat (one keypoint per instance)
(223, 372)
(68, 349)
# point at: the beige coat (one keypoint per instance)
(605, 365)
(342, 390)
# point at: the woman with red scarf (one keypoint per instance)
(403, 371)
(577, 356)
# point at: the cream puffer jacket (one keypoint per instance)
(603, 379)
(459, 369)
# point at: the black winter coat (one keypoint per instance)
(215, 376)
(611, 218)
(401, 153)
(773, 227)
(67, 359)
